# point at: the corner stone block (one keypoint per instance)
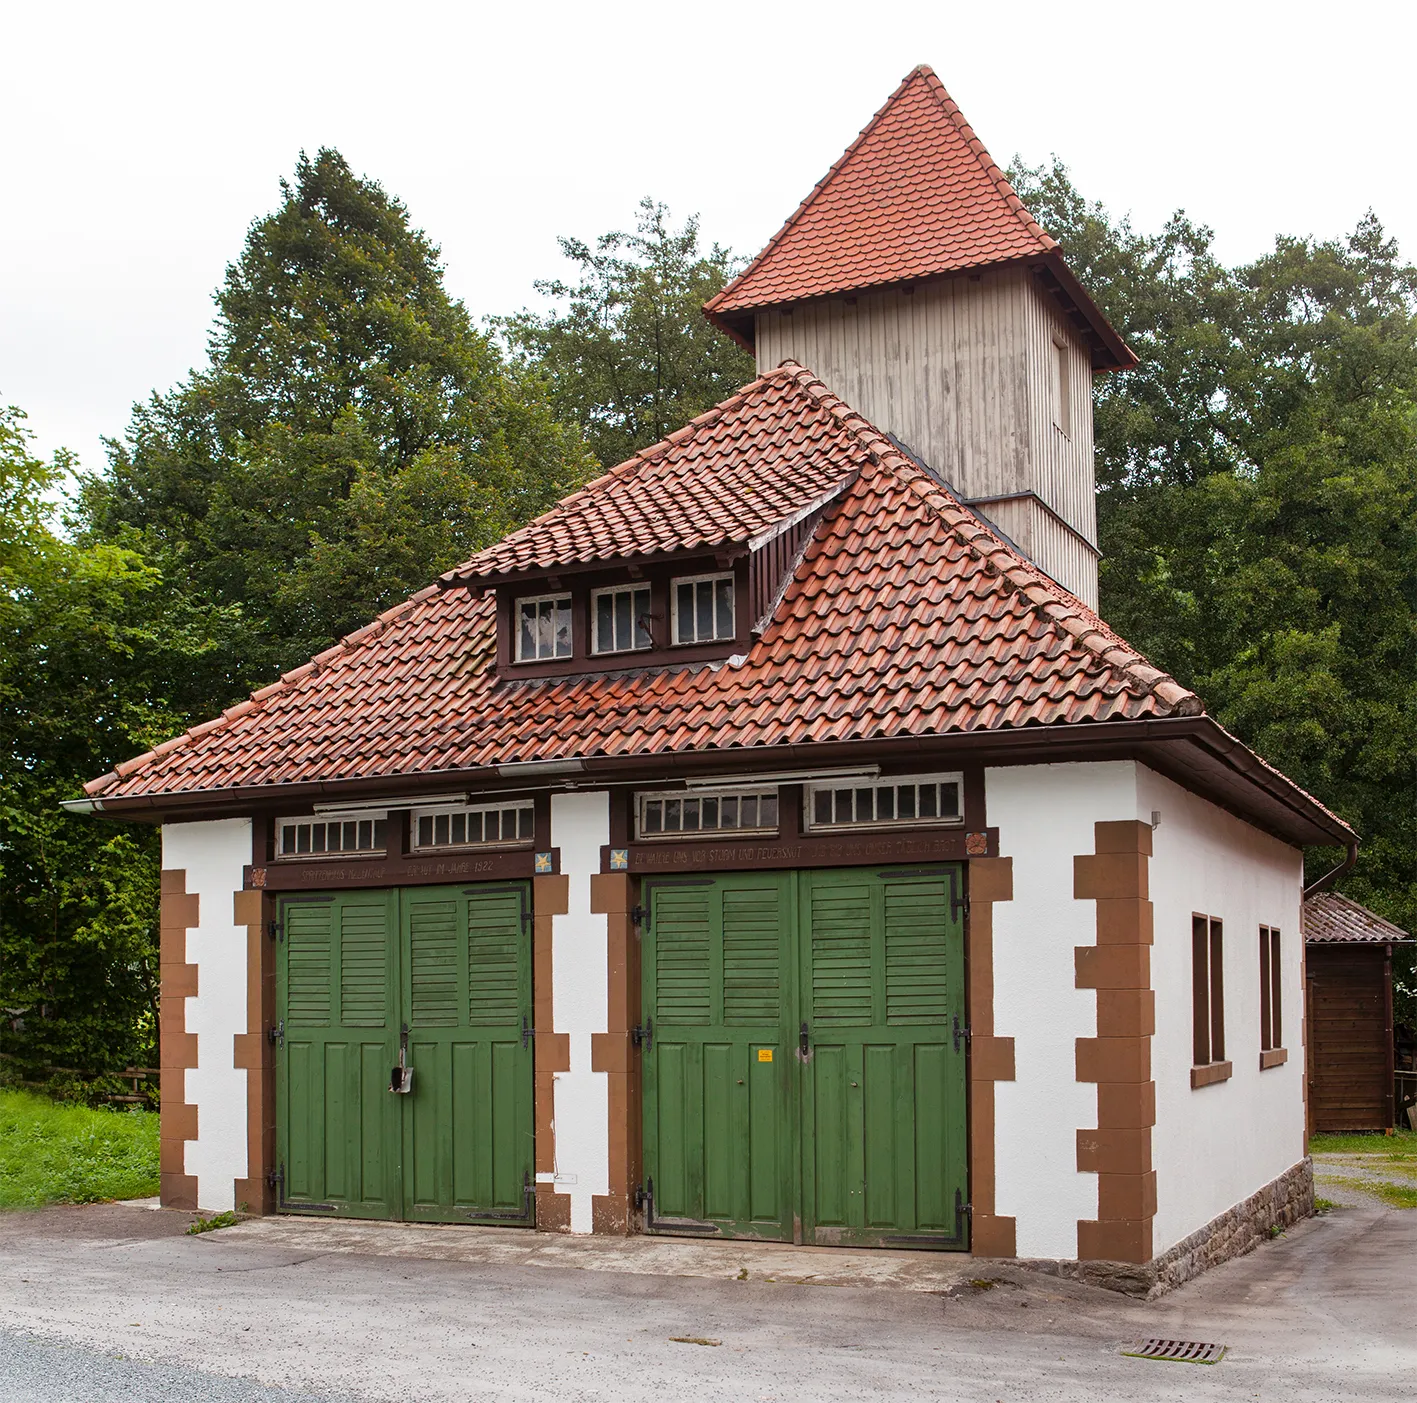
(1126, 1196)
(1109, 876)
(1128, 836)
(991, 1236)
(1126, 1105)
(1114, 1241)
(1113, 1059)
(1114, 1151)
(1124, 920)
(992, 1059)
(1113, 966)
(1127, 1013)
(610, 893)
(246, 908)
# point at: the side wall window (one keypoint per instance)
(1271, 1007)
(1207, 990)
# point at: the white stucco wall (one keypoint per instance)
(213, 855)
(1215, 1146)
(580, 826)
(1045, 816)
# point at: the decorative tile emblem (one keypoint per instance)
(976, 844)
(258, 878)
(544, 864)
(619, 859)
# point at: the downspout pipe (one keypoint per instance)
(1342, 870)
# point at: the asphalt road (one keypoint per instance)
(107, 1303)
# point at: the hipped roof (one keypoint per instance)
(907, 618)
(915, 196)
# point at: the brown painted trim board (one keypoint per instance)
(550, 896)
(1118, 1060)
(177, 1047)
(253, 1053)
(614, 895)
(991, 1058)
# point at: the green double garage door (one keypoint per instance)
(804, 1057)
(434, 979)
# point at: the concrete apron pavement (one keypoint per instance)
(777, 1263)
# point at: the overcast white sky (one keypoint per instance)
(139, 140)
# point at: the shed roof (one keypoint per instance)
(1332, 919)
(915, 196)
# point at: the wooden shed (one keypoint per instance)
(1348, 1002)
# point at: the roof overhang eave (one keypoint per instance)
(732, 548)
(1194, 751)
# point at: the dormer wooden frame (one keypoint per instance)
(659, 574)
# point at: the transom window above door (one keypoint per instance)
(621, 619)
(315, 837)
(544, 628)
(703, 609)
(477, 825)
(907, 800)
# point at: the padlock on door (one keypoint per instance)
(401, 1077)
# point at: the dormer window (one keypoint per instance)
(621, 619)
(703, 609)
(544, 628)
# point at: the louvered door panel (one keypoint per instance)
(717, 1131)
(468, 1129)
(337, 1135)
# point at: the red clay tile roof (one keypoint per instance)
(916, 195)
(738, 470)
(1331, 919)
(906, 617)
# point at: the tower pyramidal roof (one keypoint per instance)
(915, 196)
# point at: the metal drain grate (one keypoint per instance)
(1182, 1351)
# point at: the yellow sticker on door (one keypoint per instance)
(765, 1054)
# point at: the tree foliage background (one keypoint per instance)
(353, 433)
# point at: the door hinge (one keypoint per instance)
(528, 1032)
(643, 1037)
(276, 1033)
(963, 1210)
(275, 1180)
(641, 1198)
(960, 1032)
(639, 916)
(276, 930)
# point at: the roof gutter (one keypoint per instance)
(1342, 870)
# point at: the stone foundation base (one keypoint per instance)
(1238, 1230)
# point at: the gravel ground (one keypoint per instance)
(103, 1303)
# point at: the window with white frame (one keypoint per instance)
(703, 609)
(544, 628)
(475, 826)
(727, 811)
(323, 837)
(620, 618)
(903, 801)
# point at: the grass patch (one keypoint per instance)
(217, 1220)
(1401, 1144)
(1324, 1205)
(1395, 1195)
(53, 1153)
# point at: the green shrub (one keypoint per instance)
(52, 1153)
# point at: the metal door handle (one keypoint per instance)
(401, 1078)
(804, 1045)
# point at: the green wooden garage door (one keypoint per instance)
(805, 1061)
(452, 967)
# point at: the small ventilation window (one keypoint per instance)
(309, 837)
(913, 801)
(621, 619)
(738, 811)
(477, 826)
(544, 628)
(703, 609)
(1062, 386)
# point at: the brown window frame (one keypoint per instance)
(1208, 1000)
(1272, 1051)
